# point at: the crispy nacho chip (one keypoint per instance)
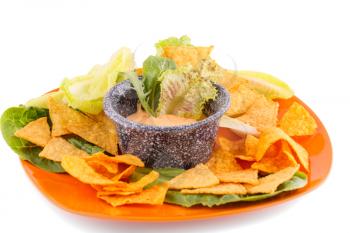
(116, 192)
(235, 147)
(37, 132)
(272, 135)
(222, 161)
(107, 123)
(85, 127)
(262, 114)
(242, 98)
(80, 169)
(248, 176)
(55, 109)
(297, 121)
(129, 159)
(59, 147)
(100, 159)
(187, 55)
(220, 189)
(197, 177)
(125, 172)
(152, 196)
(274, 161)
(134, 186)
(270, 183)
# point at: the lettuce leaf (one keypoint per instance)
(17, 117)
(299, 180)
(83, 144)
(172, 41)
(184, 94)
(86, 92)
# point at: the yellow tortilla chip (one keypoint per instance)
(297, 121)
(58, 128)
(100, 159)
(248, 176)
(129, 159)
(222, 161)
(262, 114)
(80, 169)
(274, 161)
(107, 123)
(152, 196)
(125, 173)
(197, 177)
(235, 147)
(59, 147)
(272, 135)
(242, 98)
(270, 183)
(187, 55)
(220, 189)
(134, 186)
(37, 132)
(85, 127)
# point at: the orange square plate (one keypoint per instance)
(76, 197)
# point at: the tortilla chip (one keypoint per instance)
(58, 128)
(220, 189)
(100, 159)
(129, 159)
(270, 183)
(297, 121)
(197, 177)
(274, 161)
(271, 136)
(242, 98)
(37, 132)
(59, 147)
(262, 114)
(85, 127)
(80, 169)
(249, 176)
(125, 173)
(136, 186)
(187, 55)
(116, 192)
(152, 196)
(107, 123)
(223, 161)
(233, 146)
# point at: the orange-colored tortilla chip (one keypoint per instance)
(222, 161)
(37, 132)
(297, 121)
(274, 161)
(242, 98)
(248, 176)
(220, 189)
(274, 134)
(58, 147)
(233, 146)
(129, 159)
(125, 173)
(262, 113)
(251, 145)
(103, 160)
(55, 109)
(80, 169)
(153, 196)
(197, 177)
(187, 55)
(270, 183)
(85, 127)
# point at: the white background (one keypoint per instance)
(305, 43)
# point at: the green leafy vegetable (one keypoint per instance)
(83, 144)
(17, 117)
(172, 41)
(41, 101)
(299, 180)
(147, 89)
(86, 92)
(184, 94)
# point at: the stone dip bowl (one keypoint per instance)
(181, 146)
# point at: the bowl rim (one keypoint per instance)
(119, 119)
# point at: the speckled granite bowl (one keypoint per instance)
(176, 146)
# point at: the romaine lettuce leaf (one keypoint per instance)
(184, 95)
(172, 41)
(41, 101)
(86, 92)
(299, 180)
(17, 117)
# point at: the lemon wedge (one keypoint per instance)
(266, 84)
